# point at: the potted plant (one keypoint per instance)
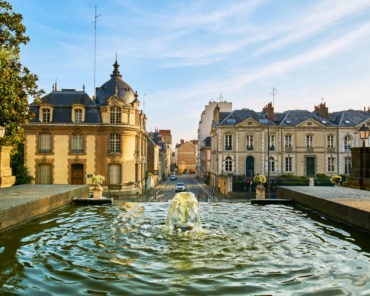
(260, 189)
(97, 180)
(336, 180)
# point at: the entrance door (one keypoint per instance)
(77, 174)
(249, 167)
(310, 166)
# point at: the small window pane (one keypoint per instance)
(44, 143)
(44, 174)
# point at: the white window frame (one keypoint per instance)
(78, 115)
(309, 141)
(288, 141)
(228, 142)
(330, 140)
(228, 164)
(45, 141)
(288, 164)
(114, 143)
(115, 114)
(331, 164)
(347, 143)
(46, 115)
(249, 141)
(77, 143)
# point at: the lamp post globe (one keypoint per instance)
(364, 134)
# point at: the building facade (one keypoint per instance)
(73, 137)
(296, 142)
(186, 157)
(204, 128)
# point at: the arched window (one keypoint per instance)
(228, 164)
(115, 114)
(272, 166)
(347, 143)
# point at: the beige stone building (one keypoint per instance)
(73, 137)
(186, 157)
(300, 143)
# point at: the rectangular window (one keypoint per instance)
(347, 164)
(272, 141)
(309, 141)
(330, 141)
(44, 143)
(228, 142)
(347, 143)
(288, 164)
(78, 115)
(46, 115)
(115, 115)
(249, 142)
(77, 143)
(115, 143)
(44, 174)
(288, 141)
(331, 164)
(114, 174)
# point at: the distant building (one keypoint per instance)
(301, 143)
(205, 158)
(163, 139)
(186, 157)
(73, 137)
(204, 127)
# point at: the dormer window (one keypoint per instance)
(115, 114)
(46, 115)
(78, 115)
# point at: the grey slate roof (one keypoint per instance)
(62, 102)
(67, 98)
(349, 117)
(115, 86)
(296, 117)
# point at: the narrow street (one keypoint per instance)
(191, 184)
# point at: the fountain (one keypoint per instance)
(183, 214)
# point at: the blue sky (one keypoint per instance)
(179, 55)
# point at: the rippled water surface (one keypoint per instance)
(123, 250)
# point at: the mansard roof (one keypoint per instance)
(67, 97)
(62, 102)
(349, 118)
(237, 116)
(296, 117)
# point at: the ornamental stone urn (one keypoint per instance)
(260, 191)
(97, 192)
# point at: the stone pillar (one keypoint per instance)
(260, 191)
(360, 172)
(6, 178)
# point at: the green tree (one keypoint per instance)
(17, 84)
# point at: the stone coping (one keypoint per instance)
(22, 202)
(342, 203)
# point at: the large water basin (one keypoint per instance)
(123, 250)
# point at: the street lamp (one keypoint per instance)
(267, 115)
(2, 131)
(364, 134)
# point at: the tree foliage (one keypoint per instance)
(17, 84)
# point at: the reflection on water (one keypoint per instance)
(123, 250)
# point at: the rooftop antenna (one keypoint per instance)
(95, 21)
(221, 97)
(273, 96)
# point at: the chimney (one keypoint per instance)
(216, 114)
(270, 111)
(322, 110)
(182, 142)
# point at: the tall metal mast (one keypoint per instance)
(95, 20)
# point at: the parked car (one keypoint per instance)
(173, 177)
(180, 187)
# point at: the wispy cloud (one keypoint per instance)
(321, 17)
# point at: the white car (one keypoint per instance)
(173, 177)
(180, 187)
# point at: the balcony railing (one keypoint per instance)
(250, 147)
(45, 150)
(114, 151)
(272, 148)
(77, 151)
(289, 149)
(309, 149)
(228, 148)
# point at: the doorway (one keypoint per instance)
(77, 174)
(249, 172)
(310, 166)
